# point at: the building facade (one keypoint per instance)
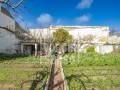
(100, 33)
(8, 40)
(77, 32)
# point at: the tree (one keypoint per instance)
(88, 39)
(114, 40)
(42, 38)
(61, 37)
(83, 42)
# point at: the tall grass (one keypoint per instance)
(22, 72)
(92, 71)
(17, 59)
(88, 59)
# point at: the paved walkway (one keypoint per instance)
(57, 81)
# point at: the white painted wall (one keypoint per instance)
(6, 21)
(8, 42)
(98, 32)
(77, 32)
(103, 49)
(38, 33)
(82, 31)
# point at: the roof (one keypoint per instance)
(5, 12)
(78, 27)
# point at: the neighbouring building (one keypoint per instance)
(77, 32)
(100, 37)
(100, 33)
(113, 45)
(9, 43)
(38, 39)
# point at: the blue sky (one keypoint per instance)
(41, 13)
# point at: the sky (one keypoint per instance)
(42, 13)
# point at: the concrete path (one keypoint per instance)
(56, 81)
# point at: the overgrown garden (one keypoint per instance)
(20, 72)
(92, 71)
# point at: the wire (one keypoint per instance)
(10, 4)
(16, 10)
(18, 4)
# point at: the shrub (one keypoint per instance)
(90, 49)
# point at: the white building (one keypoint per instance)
(99, 32)
(82, 31)
(8, 39)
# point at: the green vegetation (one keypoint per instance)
(91, 71)
(91, 49)
(62, 36)
(23, 72)
(17, 59)
(88, 59)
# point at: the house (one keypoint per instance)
(38, 39)
(113, 45)
(82, 31)
(9, 43)
(100, 33)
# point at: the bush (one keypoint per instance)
(90, 49)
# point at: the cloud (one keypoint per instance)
(84, 4)
(83, 19)
(45, 19)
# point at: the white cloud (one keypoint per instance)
(83, 19)
(84, 4)
(45, 19)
